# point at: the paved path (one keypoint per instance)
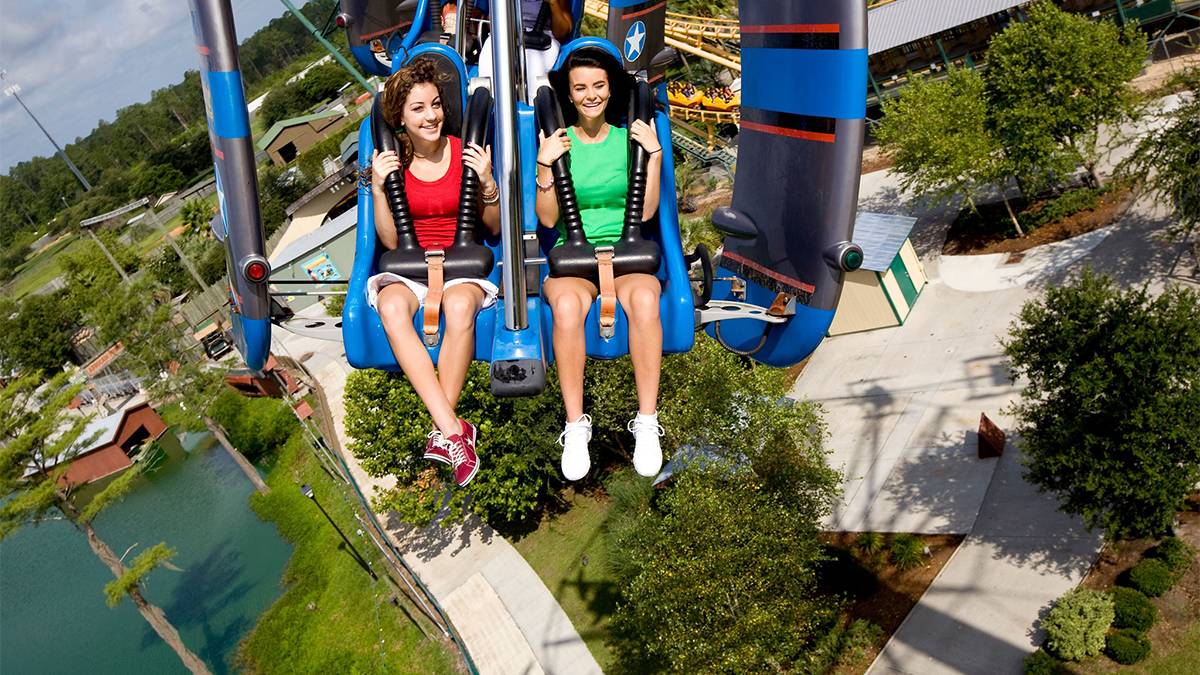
(903, 405)
(509, 620)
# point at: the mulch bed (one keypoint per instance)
(991, 231)
(881, 594)
(1178, 609)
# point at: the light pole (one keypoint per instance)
(307, 491)
(12, 90)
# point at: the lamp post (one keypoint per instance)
(12, 90)
(307, 491)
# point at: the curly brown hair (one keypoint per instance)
(396, 91)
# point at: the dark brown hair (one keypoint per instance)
(618, 85)
(396, 91)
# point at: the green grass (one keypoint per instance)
(352, 626)
(556, 551)
(41, 269)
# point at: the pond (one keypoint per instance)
(54, 618)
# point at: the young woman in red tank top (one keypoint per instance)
(433, 163)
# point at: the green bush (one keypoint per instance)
(517, 451)
(255, 426)
(907, 551)
(1133, 609)
(844, 645)
(1042, 662)
(1127, 646)
(1175, 552)
(1077, 623)
(1152, 577)
(1068, 204)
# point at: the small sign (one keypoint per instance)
(321, 268)
(991, 438)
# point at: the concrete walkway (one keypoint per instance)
(508, 619)
(903, 407)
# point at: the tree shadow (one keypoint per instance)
(434, 540)
(205, 589)
(1139, 250)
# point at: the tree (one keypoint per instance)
(1053, 81)
(1107, 420)
(37, 333)
(719, 576)
(937, 132)
(38, 441)
(196, 214)
(1166, 162)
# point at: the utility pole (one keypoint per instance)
(12, 90)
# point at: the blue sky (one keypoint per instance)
(78, 62)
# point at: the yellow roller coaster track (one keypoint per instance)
(702, 115)
(691, 34)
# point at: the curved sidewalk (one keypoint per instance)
(506, 616)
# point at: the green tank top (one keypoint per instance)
(600, 173)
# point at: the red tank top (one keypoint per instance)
(434, 204)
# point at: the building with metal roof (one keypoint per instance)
(899, 22)
(883, 291)
(288, 138)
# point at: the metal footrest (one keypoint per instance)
(313, 327)
(729, 309)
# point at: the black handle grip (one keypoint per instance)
(549, 119)
(435, 16)
(393, 184)
(476, 131)
(641, 107)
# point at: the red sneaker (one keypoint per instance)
(461, 448)
(435, 449)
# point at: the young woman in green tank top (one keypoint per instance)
(599, 161)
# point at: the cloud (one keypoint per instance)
(80, 62)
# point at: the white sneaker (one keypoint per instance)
(575, 458)
(647, 450)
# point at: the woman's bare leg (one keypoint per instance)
(570, 299)
(397, 305)
(460, 304)
(639, 296)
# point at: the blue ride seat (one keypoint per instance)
(676, 306)
(362, 329)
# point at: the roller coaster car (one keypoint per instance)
(721, 99)
(366, 343)
(652, 247)
(684, 94)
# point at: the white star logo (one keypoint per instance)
(635, 41)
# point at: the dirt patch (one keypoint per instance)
(878, 592)
(991, 230)
(1178, 609)
(873, 159)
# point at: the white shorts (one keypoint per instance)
(376, 283)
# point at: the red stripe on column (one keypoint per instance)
(742, 260)
(634, 15)
(791, 133)
(795, 28)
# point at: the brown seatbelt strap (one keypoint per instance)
(433, 299)
(608, 292)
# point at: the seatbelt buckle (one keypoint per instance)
(435, 253)
(608, 291)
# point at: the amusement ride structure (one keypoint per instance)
(770, 291)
